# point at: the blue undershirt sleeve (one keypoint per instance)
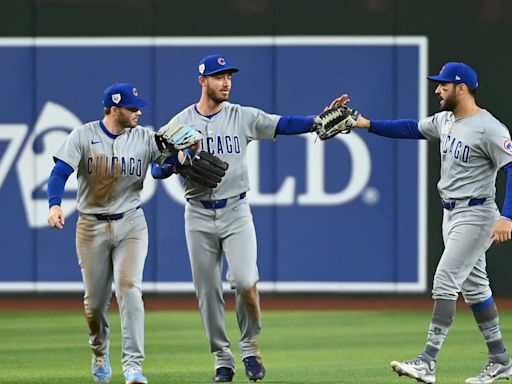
(294, 125)
(57, 181)
(399, 129)
(161, 171)
(507, 203)
(172, 160)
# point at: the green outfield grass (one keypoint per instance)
(298, 347)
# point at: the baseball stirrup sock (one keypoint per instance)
(442, 318)
(487, 319)
(490, 330)
(435, 339)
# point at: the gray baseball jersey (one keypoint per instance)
(472, 150)
(110, 172)
(219, 221)
(111, 232)
(226, 135)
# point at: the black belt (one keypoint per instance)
(217, 204)
(449, 205)
(114, 217)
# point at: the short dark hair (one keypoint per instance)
(106, 111)
(472, 92)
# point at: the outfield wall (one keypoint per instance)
(376, 197)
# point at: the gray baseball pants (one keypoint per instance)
(467, 234)
(114, 250)
(211, 233)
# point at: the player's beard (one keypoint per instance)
(449, 103)
(126, 121)
(216, 96)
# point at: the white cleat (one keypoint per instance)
(491, 373)
(134, 375)
(418, 369)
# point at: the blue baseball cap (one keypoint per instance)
(122, 95)
(457, 73)
(214, 64)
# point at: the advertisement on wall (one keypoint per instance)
(347, 215)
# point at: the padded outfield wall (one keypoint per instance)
(376, 196)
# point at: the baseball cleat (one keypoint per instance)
(491, 373)
(223, 375)
(254, 368)
(418, 369)
(100, 368)
(134, 375)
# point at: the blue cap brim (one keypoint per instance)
(441, 79)
(136, 104)
(226, 69)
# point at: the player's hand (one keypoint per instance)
(56, 217)
(502, 231)
(186, 156)
(338, 102)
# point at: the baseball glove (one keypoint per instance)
(205, 169)
(177, 136)
(335, 120)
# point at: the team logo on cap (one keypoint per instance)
(507, 145)
(135, 92)
(221, 61)
(201, 69)
(116, 98)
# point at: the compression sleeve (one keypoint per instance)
(507, 203)
(174, 159)
(57, 181)
(399, 129)
(161, 171)
(166, 169)
(294, 125)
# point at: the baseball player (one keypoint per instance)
(218, 221)
(111, 157)
(474, 145)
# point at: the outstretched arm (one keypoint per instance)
(294, 125)
(402, 129)
(399, 129)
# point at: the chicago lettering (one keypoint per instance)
(456, 148)
(120, 166)
(221, 145)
